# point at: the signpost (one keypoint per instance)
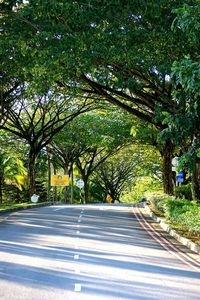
(34, 198)
(80, 183)
(174, 164)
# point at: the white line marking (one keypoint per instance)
(77, 270)
(77, 287)
(76, 256)
(77, 232)
(80, 216)
(58, 208)
(79, 221)
(162, 241)
(77, 226)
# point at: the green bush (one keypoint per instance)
(184, 191)
(157, 202)
(181, 213)
(184, 213)
(138, 191)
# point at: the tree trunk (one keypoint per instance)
(49, 175)
(66, 188)
(55, 196)
(167, 155)
(196, 182)
(86, 190)
(31, 173)
(72, 184)
(1, 189)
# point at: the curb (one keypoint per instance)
(4, 214)
(185, 241)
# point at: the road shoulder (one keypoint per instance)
(171, 235)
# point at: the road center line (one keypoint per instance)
(58, 209)
(77, 287)
(77, 270)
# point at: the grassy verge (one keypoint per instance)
(12, 206)
(180, 214)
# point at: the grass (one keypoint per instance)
(5, 207)
(194, 237)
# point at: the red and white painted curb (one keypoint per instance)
(158, 237)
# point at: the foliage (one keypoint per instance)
(13, 206)
(157, 201)
(102, 50)
(99, 49)
(185, 213)
(141, 186)
(116, 173)
(184, 191)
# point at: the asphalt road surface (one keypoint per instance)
(92, 252)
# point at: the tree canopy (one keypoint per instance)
(125, 54)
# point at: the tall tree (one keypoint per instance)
(12, 167)
(184, 125)
(121, 54)
(37, 119)
(90, 139)
(114, 175)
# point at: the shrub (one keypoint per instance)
(157, 202)
(141, 186)
(184, 191)
(184, 213)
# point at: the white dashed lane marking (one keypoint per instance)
(76, 256)
(77, 287)
(77, 270)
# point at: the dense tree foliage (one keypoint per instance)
(120, 54)
(89, 140)
(36, 119)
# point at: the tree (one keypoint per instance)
(114, 174)
(12, 167)
(66, 147)
(121, 54)
(89, 140)
(37, 119)
(184, 126)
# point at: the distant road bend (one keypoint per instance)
(92, 252)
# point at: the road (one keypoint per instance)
(92, 252)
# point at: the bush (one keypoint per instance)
(138, 191)
(184, 213)
(157, 202)
(184, 191)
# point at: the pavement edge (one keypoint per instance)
(185, 241)
(5, 214)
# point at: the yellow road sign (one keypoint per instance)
(59, 180)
